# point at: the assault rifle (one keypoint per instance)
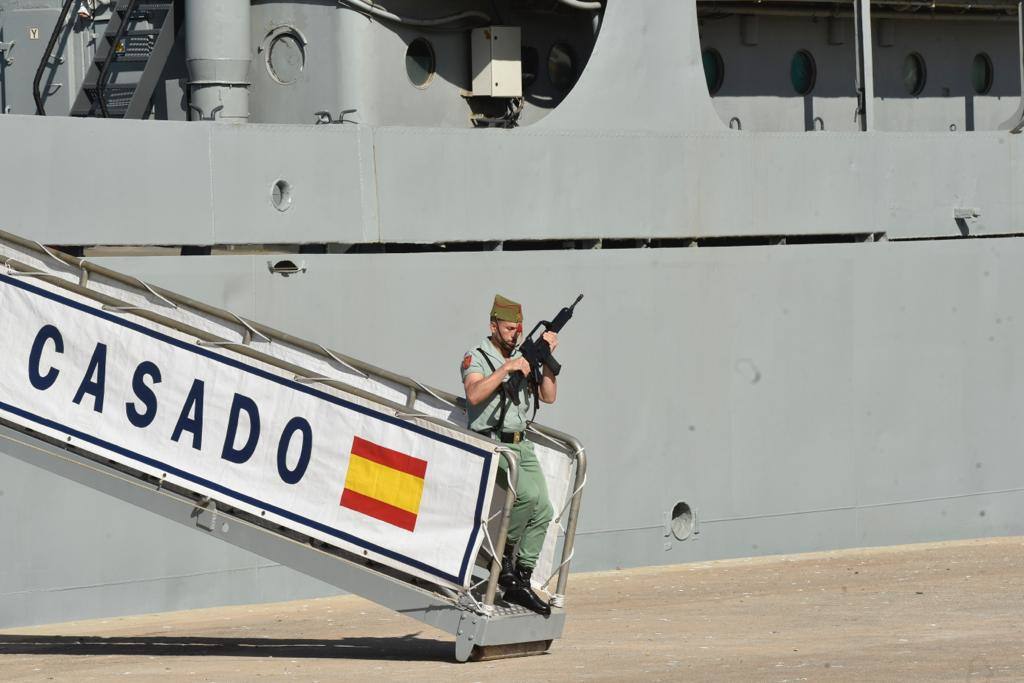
(537, 353)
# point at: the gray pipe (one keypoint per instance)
(218, 53)
(582, 4)
(381, 13)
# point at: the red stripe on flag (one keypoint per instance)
(389, 458)
(378, 510)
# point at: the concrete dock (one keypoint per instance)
(930, 612)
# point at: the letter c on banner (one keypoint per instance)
(296, 424)
(240, 455)
(38, 380)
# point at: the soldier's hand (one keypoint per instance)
(519, 364)
(552, 339)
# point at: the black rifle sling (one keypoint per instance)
(536, 400)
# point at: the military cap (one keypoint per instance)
(506, 309)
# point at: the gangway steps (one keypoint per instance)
(45, 290)
(507, 631)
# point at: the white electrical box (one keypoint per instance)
(497, 61)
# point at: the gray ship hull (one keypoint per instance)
(796, 397)
(860, 391)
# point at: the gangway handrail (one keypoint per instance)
(48, 54)
(568, 547)
(270, 335)
(567, 444)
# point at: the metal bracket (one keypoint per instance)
(466, 635)
(7, 49)
(202, 115)
(965, 219)
(205, 514)
(324, 117)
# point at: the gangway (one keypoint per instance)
(290, 513)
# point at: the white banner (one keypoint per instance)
(337, 467)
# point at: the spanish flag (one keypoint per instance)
(384, 484)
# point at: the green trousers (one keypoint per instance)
(532, 511)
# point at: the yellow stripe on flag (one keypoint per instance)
(387, 485)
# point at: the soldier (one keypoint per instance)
(86, 8)
(492, 413)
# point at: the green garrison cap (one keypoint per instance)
(506, 309)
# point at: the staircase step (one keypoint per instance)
(85, 113)
(133, 34)
(122, 58)
(143, 7)
(91, 87)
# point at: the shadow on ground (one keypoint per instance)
(409, 647)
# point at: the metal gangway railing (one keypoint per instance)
(34, 277)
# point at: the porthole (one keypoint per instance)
(802, 72)
(714, 69)
(284, 53)
(281, 195)
(914, 74)
(682, 524)
(286, 267)
(561, 67)
(420, 63)
(981, 73)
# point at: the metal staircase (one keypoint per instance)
(484, 627)
(130, 59)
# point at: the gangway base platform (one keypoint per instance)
(480, 634)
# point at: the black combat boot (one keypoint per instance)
(523, 593)
(508, 578)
